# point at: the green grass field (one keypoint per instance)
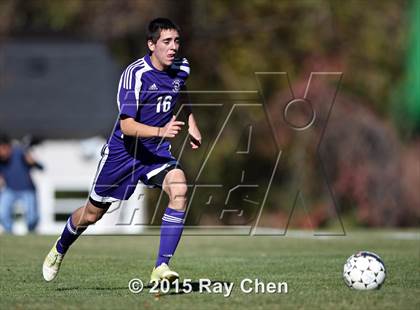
(96, 272)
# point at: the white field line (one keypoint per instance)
(307, 234)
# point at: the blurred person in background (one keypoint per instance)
(16, 184)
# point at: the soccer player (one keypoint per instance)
(139, 150)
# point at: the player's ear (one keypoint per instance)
(151, 45)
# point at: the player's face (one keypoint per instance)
(165, 49)
(5, 151)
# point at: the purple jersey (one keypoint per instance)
(149, 95)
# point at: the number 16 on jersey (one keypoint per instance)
(163, 104)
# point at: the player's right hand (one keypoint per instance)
(171, 129)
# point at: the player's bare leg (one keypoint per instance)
(88, 215)
(175, 186)
(76, 225)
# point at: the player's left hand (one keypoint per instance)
(195, 137)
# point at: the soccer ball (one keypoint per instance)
(364, 271)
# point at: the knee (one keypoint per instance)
(92, 217)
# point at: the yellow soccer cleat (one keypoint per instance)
(52, 264)
(163, 272)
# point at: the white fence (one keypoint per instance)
(63, 186)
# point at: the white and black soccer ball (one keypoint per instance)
(364, 271)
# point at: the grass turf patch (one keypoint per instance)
(97, 269)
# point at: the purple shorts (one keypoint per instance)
(119, 172)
